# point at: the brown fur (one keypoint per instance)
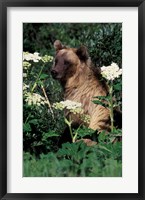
(73, 68)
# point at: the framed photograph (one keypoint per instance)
(72, 94)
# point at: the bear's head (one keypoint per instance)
(67, 61)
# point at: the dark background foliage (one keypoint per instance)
(42, 133)
(104, 40)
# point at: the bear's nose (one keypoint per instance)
(54, 73)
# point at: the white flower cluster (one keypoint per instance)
(25, 87)
(111, 72)
(35, 58)
(24, 75)
(34, 99)
(72, 106)
(26, 65)
(29, 56)
(47, 58)
(86, 118)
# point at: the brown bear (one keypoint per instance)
(81, 82)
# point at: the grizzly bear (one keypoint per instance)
(81, 82)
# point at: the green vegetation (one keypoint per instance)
(76, 159)
(43, 125)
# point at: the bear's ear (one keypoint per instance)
(82, 53)
(57, 45)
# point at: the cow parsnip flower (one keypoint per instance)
(72, 106)
(24, 75)
(25, 86)
(111, 72)
(34, 99)
(29, 56)
(47, 58)
(26, 64)
(86, 118)
(25, 89)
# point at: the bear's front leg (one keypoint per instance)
(100, 119)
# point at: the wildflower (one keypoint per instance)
(47, 58)
(29, 56)
(111, 72)
(24, 75)
(85, 118)
(34, 99)
(26, 64)
(72, 106)
(25, 86)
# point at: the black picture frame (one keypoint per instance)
(4, 4)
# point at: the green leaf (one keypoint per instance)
(49, 134)
(43, 76)
(102, 97)
(35, 144)
(102, 137)
(103, 147)
(82, 132)
(116, 132)
(100, 103)
(27, 127)
(33, 121)
(117, 87)
(112, 139)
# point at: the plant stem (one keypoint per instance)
(70, 129)
(75, 136)
(48, 102)
(28, 115)
(27, 118)
(68, 122)
(71, 133)
(35, 84)
(111, 107)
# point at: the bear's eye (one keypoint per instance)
(66, 62)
